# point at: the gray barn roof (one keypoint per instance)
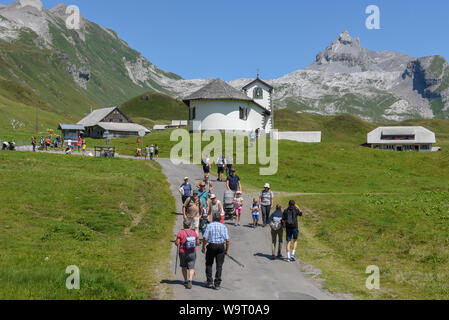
(122, 127)
(95, 117)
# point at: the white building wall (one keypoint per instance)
(306, 137)
(225, 115)
(266, 101)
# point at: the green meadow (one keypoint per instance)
(111, 218)
(362, 207)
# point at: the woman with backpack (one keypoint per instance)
(187, 240)
(277, 231)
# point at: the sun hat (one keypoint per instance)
(195, 192)
(202, 184)
(239, 192)
(186, 178)
(267, 185)
(213, 196)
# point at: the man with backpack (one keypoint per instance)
(290, 220)
(266, 199)
(277, 231)
(192, 211)
(187, 240)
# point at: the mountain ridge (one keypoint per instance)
(75, 70)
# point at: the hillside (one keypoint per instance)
(18, 113)
(155, 106)
(73, 70)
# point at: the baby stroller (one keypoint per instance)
(228, 205)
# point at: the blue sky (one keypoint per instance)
(231, 39)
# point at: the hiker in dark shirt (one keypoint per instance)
(290, 221)
(233, 182)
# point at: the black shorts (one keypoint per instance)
(206, 169)
(220, 170)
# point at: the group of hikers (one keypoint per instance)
(150, 152)
(204, 213)
(55, 142)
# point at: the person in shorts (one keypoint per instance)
(255, 212)
(187, 240)
(290, 221)
(192, 210)
(221, 162)
(156, 151)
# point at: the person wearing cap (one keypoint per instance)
(185, 190)
(238, 203)
(192, 210)
(266, 201)
(233, 183)
(215, 207)
(216, 238)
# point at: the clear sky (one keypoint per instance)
(231, 39)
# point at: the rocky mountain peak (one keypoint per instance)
(36, 4)
(346, 39)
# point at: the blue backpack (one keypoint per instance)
(190, 241)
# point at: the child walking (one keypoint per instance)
(255, 210)
(238, 202)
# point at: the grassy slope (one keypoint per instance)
(395, 215)
(18, 113)
(155, 106)
(65, 213)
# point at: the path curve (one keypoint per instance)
(261, 279)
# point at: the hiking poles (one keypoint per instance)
(177, 256)
(241, 265)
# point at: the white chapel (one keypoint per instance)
(220, 107)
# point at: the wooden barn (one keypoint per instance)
(112, 121)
